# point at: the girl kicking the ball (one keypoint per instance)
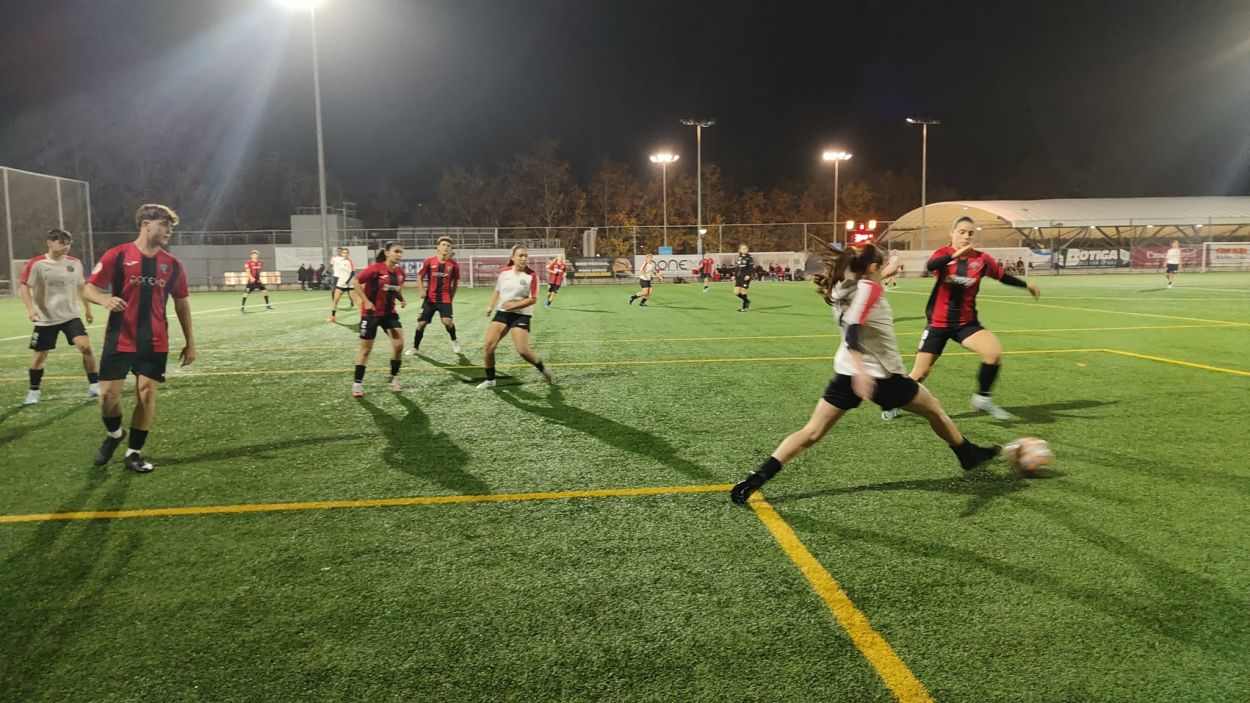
(867, 366)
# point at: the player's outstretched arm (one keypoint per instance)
(182, 306)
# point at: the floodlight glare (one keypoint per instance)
(872, 224)
(300, 4)
(835, 156)
(850, 225)
(664, 158)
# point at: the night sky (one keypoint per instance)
(1042, 99)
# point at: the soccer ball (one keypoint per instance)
(1028, 454)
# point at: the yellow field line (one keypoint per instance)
(1120, 312)
(555, 364)
(872, 645)
(367, 503)
(1178, 362)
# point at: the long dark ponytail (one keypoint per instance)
(381, 256)
(838, 261)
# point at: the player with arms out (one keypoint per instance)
(141, 277)
(645, 274)
(867, 366)
(51, 289)
(743, 270)
(1173, 261)
(556, 271)
(251, 269)
(706, 265)
(512, 307)
(952, 313)
(342, 268)
(380, 287)
(437, 282)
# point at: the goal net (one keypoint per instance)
(1226, 256)
(30, 205)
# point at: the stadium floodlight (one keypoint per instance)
(664, 158)
(837, 157)
(924, 166)
(698, 125)
(311, 7)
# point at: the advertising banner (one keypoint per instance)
(1093, 258)
(1235, 256)
(1154, 257)
(484, 270)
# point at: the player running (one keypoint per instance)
(555, 278)
(867, 366)
(51, 289)
(894, 268)
(342, 268)
(645, 274)
(252, 268)
(952, 314)
(380, 286)
(437, 282)
(1173, 261)
(706, 265)
(743, 270)
(141, 277)
(512, 305)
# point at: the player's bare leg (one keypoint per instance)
(111, 415)
(362, 358)
(970, 455)
(141, 422)
(987, 346)
(449, 324)
(397, 357)
(494, 332)
(83, 344)
(824, 416)
(920, 370)
(521, 340)
(417, 336)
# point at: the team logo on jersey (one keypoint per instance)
(165, 268)
(70, 268)
(131, 263)
(962, 280)
(974, 265)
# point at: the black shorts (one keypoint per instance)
(44, 336)
(643, 283)
(114, 365)
(742, 282)
(428, 309)
(933, 339)
(513, 319)
(553, 288)
(893, 392)
(256, 285)
(705, 277)
(369, 324)
(1173, 268)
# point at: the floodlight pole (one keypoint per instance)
(924, 167)
(837, 157)
(698, 125)
(321, 149)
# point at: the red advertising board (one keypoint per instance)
(486, 268)
(1153, 257)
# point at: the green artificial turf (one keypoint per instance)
(1120, 575)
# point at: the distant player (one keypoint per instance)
(556, 271)
(52, 288)
(706, 265)
(1173, 261)
(512, 311)
(437, 282)
(141, 277)
(743, 269)
(342, 268)
(645, 274)
(867, 366)
(251, 269)
(893, 268)
(380, 286)
(952, 313)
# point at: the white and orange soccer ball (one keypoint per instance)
(1028, 455)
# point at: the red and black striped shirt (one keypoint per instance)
(953, 302)
(706, 265)
(441, 279)
(555, 273)
(145, 283)
(382, 286)
(253, 270)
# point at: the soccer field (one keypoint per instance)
(576, 542)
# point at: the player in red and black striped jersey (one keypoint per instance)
(555, 278)
(706, 265)
(141, 277)
(251, 269)
(380, 287)
(437, 282)
(952, 313)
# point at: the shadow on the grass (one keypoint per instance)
(252, 450)
(981, 486)
(1046, 414)
(615, 434)
(414, 448)
(557, 307)
(18, 432)
(53, 586)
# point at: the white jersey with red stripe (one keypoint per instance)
(862, 303)
(517, 285)
(648, 270)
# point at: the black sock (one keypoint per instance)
(451, 332)
(332, 311)
(93, 377)
(244, 303)
(112, 424)
(746, 302)
(360, 373)
(769, 468)
(266, 300)
(416, 338)
(986, 376)
(36, 377)
(490, 373)
(137, 438)
(632, 298)
(539, 365)
(395, 366)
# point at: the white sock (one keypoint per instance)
(131, 451)
(116, 435)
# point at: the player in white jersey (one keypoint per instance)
(648, 271)
(51, 288)
(512, 307)
(892, 267)
(867, 366)
(342, 268)
(1173, 261)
